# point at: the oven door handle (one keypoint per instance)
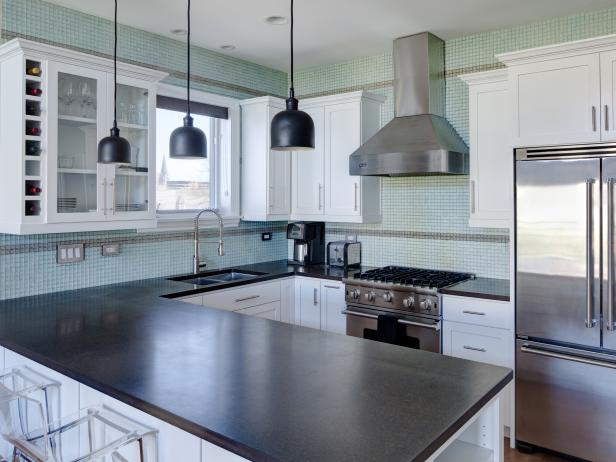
(436, 326)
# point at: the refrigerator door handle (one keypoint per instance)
(610, 254)
(590, 264)
(525, 348)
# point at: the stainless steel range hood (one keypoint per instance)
(419, 140)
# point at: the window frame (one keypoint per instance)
(224, 171)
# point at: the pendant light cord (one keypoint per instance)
(292, 85)
(188, 66)
(115, 66)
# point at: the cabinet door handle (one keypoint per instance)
(472, 196)
(315, 296)
(356, 186)
(476, 313)
(331, 287)
(252, 297)
(594, 118)
(466, 347)
(113, 197)
(607, 118)
(104, 185)
(320, 194)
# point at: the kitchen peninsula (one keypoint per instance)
(222, 386)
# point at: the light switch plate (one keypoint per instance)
(110, 250)
(70, 253)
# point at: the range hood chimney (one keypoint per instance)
(419, 140)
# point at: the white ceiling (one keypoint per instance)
(327, 30)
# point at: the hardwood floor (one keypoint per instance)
(513, 455)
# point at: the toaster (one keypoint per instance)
(344, 253)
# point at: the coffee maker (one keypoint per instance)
(309, 242)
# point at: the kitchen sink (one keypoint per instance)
(218, 277)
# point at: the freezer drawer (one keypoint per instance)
(566, 402)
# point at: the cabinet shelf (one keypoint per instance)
(77, 120)
(132, 126)
(33, 78)
(33, 198)
(34, 118)
(77, 171)
(33, 98)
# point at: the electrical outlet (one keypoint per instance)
(70, 253)
(351, 237)
(266, 236)
(110, 250)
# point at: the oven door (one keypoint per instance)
(418, 332)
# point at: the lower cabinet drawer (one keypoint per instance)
(477, 343)
(267, 311)
(489, 313)
(243, 297)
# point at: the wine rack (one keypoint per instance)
(33, 138)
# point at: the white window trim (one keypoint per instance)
(228, 201)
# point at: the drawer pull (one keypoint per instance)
(332, 287)
(466, 347)
(476, 313)
(252, 297)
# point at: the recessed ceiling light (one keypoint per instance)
(178, 31)
(277, 20)
(227, 47)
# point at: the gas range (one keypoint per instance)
(401, 289)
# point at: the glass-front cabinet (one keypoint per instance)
(60, 104)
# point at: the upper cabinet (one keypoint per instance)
(56, 105)
(314, 184)
(491, 154)
(265, 174)
(562, 94)
(323, 189)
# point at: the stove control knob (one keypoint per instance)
(423, 304)
(429, 305)
(408, 302)
(355, 294)
(388, 297)
(370, 296)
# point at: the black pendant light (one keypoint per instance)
(114, 149)
(292, 129)
(188, 141)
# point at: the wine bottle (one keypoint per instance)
(34, 70)
(32, 149)
(32, 109)
(33, 190)
(33, 131)
(32, 209)
(33, 91)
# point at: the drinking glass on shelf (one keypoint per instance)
(87, 99)
(132, 114)
(122, 113)
(71, 95)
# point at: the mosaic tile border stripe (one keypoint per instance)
(364, 87)
(50, 243)
(9, 35)
(492, 238)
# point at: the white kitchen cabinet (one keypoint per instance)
(307, 172)
(266, 311)
(244, 296)
(265, 174)
(608, 95)
(560, 94)
(332, 306)
(491, 153)
(482, 330)
(308, 302)
(287, 300)
(323, 189)
(54, 178)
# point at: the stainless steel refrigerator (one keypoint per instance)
(565, 296)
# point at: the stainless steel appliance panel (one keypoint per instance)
(608, 171)
(558, 250)
(426, 331)
(566, 402)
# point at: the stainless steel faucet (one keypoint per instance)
(221, 250)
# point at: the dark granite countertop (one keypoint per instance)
(492, 289)
(262, 389)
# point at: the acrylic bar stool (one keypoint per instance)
(97, 434)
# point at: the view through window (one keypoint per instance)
(182, 184)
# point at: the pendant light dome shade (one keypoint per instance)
(114, 149)
(187, 142)
(292, 129)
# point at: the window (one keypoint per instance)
(184, 186)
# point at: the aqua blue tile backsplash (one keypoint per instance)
(425, 218)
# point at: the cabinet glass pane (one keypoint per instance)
(77, 143)
(131, 181)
